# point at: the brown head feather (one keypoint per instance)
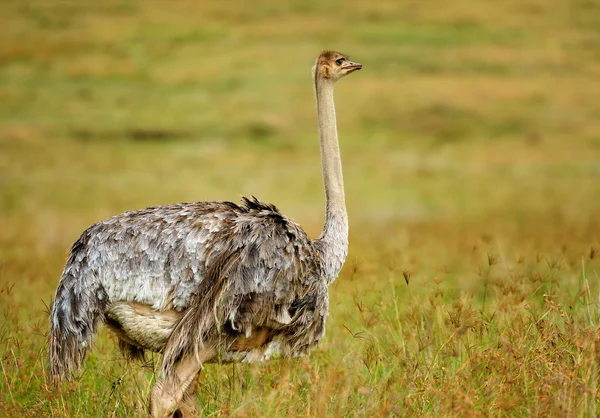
(324, 63)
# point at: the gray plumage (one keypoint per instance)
(259, 268)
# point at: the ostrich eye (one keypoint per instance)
(339, 61)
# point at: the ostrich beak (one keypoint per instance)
(352, 66)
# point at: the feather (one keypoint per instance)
(216, 262)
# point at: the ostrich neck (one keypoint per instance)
(333, 242)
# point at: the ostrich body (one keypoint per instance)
(206, 281)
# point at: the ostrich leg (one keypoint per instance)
(167, 393)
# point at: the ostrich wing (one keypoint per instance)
(159, 256)
(265, 274)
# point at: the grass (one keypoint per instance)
(471, 151)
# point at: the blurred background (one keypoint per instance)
(467, 112)
(472, 125)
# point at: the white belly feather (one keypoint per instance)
(145, 327)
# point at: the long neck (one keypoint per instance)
(334, 238)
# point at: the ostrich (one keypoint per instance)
(207, 281)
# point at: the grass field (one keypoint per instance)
(471, 149)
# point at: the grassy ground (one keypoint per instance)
(471, 148)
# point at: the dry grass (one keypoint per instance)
(470, 144)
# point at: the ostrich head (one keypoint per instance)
(332, 66)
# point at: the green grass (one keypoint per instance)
(471, 152)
